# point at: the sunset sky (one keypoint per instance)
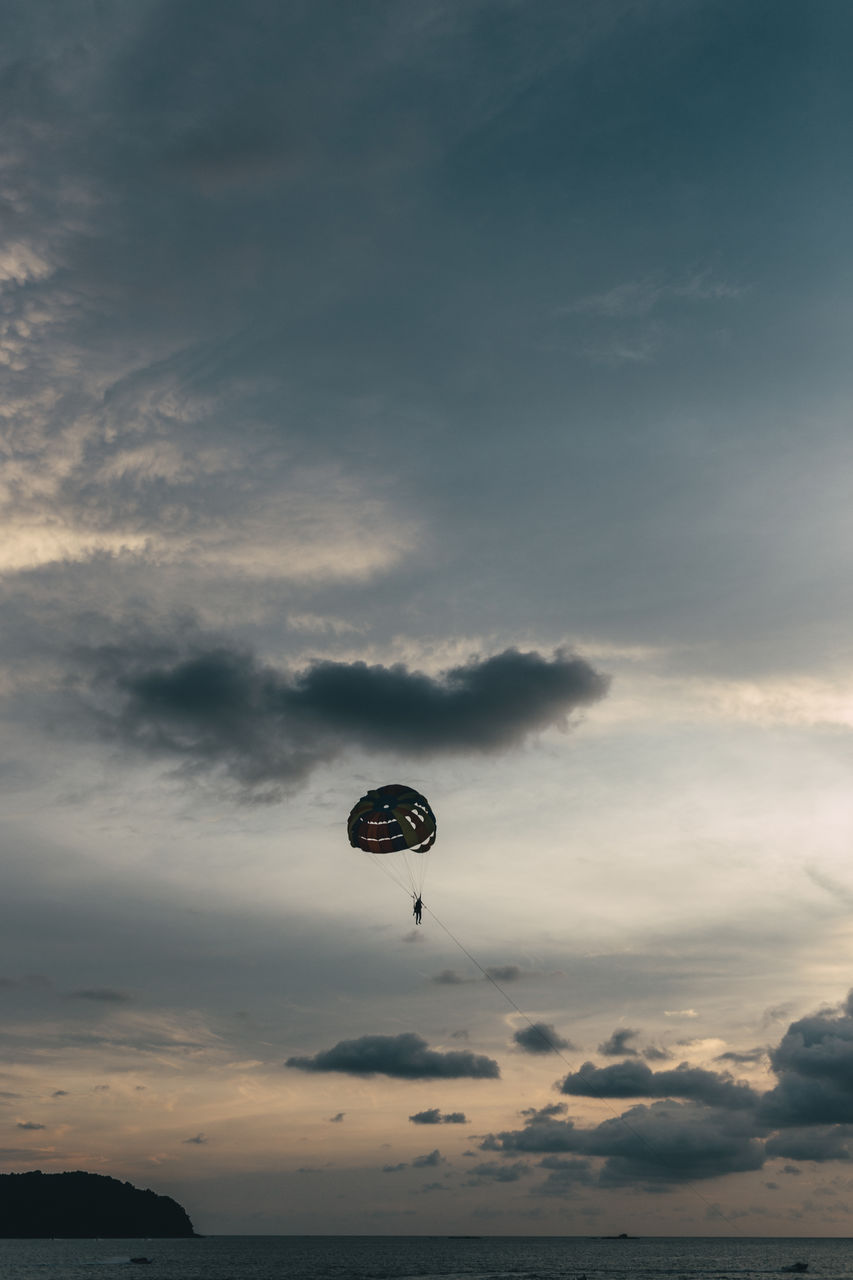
(454, 393)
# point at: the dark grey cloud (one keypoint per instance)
(429, 1160)
(744, 1057)
(710, 1123)
(666, 1143)
(671, 1142)
(406, 1056)
(395, 1168)
(336, 1119)
(496, 973)
(564, 1176)
(617, 1045)
(451, 978)
(541, 1037)
(222, 709)
(433, 1116)
(101, 995)
(547, 1112)
(814, 1064)
(541, 1134)
(496, 1171)
(504, 972)
(59, 1093)
(653, 1053)
(30, 1124)
(199, 1140)
(821, 1142)
(633, 1079)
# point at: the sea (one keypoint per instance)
(425, 1258)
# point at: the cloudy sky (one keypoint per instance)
(457, 393)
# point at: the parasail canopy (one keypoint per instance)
(390, 819)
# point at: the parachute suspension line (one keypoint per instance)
(378, 860)
(635, 1133)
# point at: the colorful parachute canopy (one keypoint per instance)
(391, 818)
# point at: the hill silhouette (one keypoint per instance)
(37, 1205)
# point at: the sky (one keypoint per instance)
(452, 393)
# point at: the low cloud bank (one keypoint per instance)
(633, 1079)
(407, 1057)
(266, 729)
(701, 1123)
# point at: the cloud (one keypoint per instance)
(563, 1176)
(823, 1142)
(451, 978)
(541, 1037)
(395, 1168)
(547, 1112)
(338, 1118)
(668, 1142)
(814, 1064)
(671, 1142)
(617, 1044)
(633, 1079)
(428, 1161)
(434, 1116)
(220, 708)
(30, 1124)
(745, 1057)
(496, 1171)
(541, 1133)
(504, 972)
(706, 1124)
(199, 1140)
(406, 1056)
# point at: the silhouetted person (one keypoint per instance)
(417, 909)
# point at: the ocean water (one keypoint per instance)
(423, 1258)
